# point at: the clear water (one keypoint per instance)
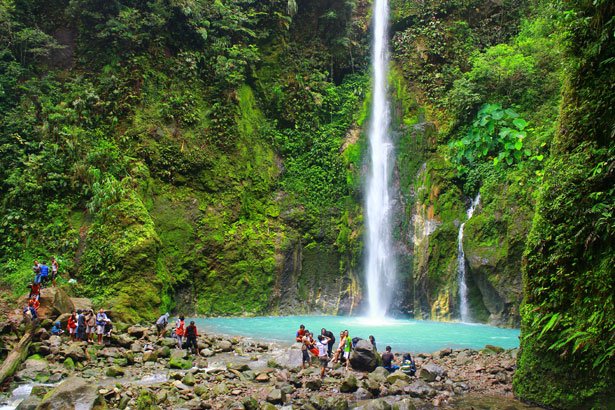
(380, 264)
(401, 334)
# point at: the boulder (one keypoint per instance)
(30, 403)
(397, 375)
(54, 302)
(444, 352)
(207, 353)
(363, 394)
(114, 371)
(75, 352)
(189, 379)
(337, 403)
(276, 396)
(179, 354)
(430, 371)
(363, 357)
(494, 349)
(405, 404)
(378, 404)
(73, 392)
(313, 384)
(150, 356)
(379, 375)
(137, 331)
(225, 345)
(420, 389)
(82, 303)
(180, 364)
(350, 384)
(33, 368)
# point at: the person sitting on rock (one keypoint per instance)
(56, 330)
(161, 324)
(372, 340)
(35, 290)
(340, 348)
(179, 331)
(72, 326)
(387, 360)
(191, 335)
(407, 365)
(300, 333)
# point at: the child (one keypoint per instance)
(56, 330)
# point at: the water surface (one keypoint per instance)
(401, 334)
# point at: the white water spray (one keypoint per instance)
(380, 257)
(464, 310)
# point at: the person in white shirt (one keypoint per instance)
(323, 354)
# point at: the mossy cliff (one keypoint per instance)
(568, 316)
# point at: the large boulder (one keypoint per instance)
(74, 392)
(431, 371)
(33, 368)
(54, 302)
(364, 356)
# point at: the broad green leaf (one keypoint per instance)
(520, 123)
(518, 145)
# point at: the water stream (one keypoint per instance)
(380, 266)
(464, 309)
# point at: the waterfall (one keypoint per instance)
(380, 257)
(464, 310)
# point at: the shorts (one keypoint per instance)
(161, 327)
(346, 355)
(90, 329)
(324, 361)
(100, 329)
(72, 330)
(305, 356)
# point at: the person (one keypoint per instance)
(407, 365)
(108, 329)
(340, 348)
(329, 335)
(56, 330)
(161, 324)
(54, 270)
(191, 335)
(81, 325)
(387, 360)
(323, 353)
(101, 321)
(35, 290)
(34, 302)
(44, 274)
(300, 334)
(179, 331)
(37, 272)
(372, 340)
(305, 349)
(72, 326)
(29, 312)
(90, 325)
(347, 348)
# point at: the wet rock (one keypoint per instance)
(276, 396)
(75, 352)
(114, 371)
(250, 403)
(74, 392)
(33, 368)
(161, 397)
(420, 389)
(207, 353)
(318, 402)
(150, 356)
(313, 384)
(405, 404)
(337, 403)
(181, 386)
(240, 367)
(30, 403)
(180, 363)
(220, 389)
(494, 349)
(398, 387)
(430, 371)
(397, 375)
(262, 377)
(378, 404)
(350, 384)
(225, 345)
(179, 354)
(363, 357)
(164, 351)
(444, 352)
(363, 394)
(372, 386)
(189, 379)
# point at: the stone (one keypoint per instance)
(398, 387)
(378, 404)
(179, 354)
(318, 402)
(69, 364)
(189, 379)
(363, 394)
(181, 386)
(161, 397)
(137, 331)
(313, 384)
(337, 403)
(123, 340)
(430, 371)
(444, 352)
(397, 375)
(267, 406)
(75, 352)
(220, 389)
(180, 364)
(150, 356)
(114, 371)
(55, 341)
(420, 389)
(165, 351)
(73, 392)
(32, 368)
(262, 377)
(30, 403)
(372, 386)
(405, 404)
(207, 353)
(495, 349)
(364, 356)
(225, 345)
(350, 384)
(276, 396)
(240, 367)
(54, 302)
(250, 403)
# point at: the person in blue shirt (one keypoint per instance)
(44, 273)
(57, 329)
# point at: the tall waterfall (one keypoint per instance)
(464, 310)
(380, 257)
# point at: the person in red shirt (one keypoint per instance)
(72, 326)
(300, 334)
(35, 290)
(34, 303)
(179, 331)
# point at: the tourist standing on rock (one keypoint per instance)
(347, 348)
(179, 331)
(329, 335)
(323, 353)
(101, 321)
(36, 268)
(108, 330)
(72, 326)
(44, 274)
(161, 324)
(90, 325)
(191, 335)
(387, 360)
(305, 347)
(54, 271)
(372, 340)
(81, 326)
(300, 333)
(35, 290)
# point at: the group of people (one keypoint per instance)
(185, 335)
(322, 348)
(83, 325)
(42, 276)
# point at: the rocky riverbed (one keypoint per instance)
(137, 370)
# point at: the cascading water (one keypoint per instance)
(380, 257)
(464, 310)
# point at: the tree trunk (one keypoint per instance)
(16, 356)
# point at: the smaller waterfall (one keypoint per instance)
(461, 267)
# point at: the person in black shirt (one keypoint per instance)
(387, 360)
(328, 334)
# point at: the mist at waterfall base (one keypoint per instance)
(403, 335)
(380, 263)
